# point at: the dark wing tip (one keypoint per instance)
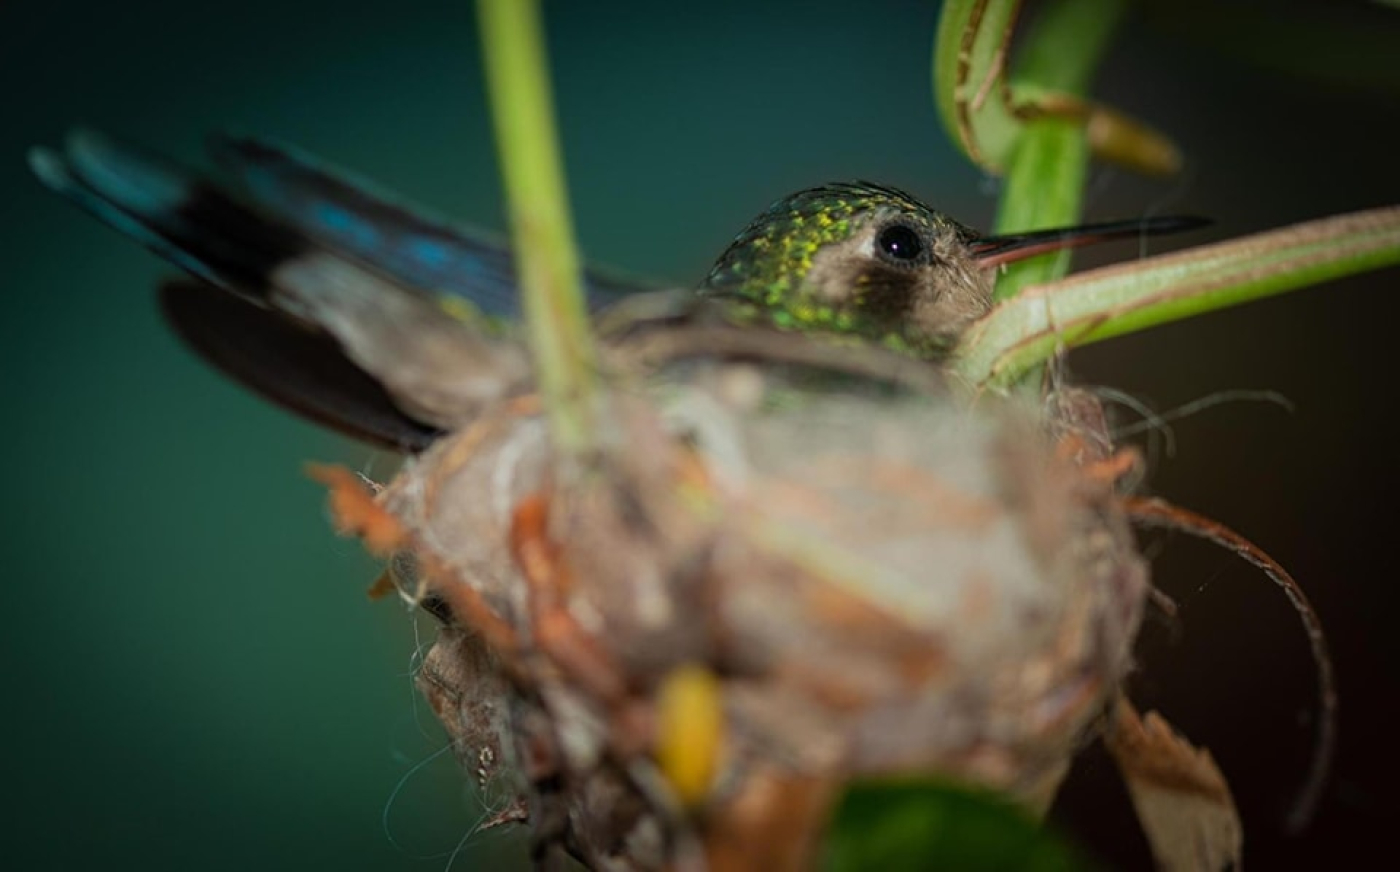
(304, 372)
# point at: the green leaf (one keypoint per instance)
(940, 825)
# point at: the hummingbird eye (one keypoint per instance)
(901, 245)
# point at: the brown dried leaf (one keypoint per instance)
(1182, 800)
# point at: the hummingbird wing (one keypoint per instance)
(405, 240)
(436, 368)
(303, 371)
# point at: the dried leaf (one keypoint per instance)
(1181, 797)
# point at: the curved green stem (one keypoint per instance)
(1020, 334)
(1046, 169)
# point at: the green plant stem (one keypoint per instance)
(1022, 333)
(517, 76)
(1044, 187)
(1045, 175)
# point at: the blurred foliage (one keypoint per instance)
(937, 825)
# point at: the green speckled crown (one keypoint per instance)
(809, 263)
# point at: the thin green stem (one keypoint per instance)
(1044, 187)
(517, 74)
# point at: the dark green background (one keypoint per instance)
(194, 678)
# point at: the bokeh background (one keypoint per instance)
(193, 675)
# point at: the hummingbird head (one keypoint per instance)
(873, 263)
(860, 260)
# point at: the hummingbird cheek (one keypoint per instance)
(949, 309)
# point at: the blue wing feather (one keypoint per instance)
(183, 218)
(54, 172)
(279, 204)
(406, 241)
(351, 215)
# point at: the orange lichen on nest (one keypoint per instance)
(1116, 467)
(355, 512)
(383, 586)
(534, 553)
(555, 630)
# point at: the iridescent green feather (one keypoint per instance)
(763, 274)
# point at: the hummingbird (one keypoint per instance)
(362, 312)
(871, 262)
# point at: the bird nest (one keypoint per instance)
(785, 566)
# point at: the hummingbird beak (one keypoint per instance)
(993, 251)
